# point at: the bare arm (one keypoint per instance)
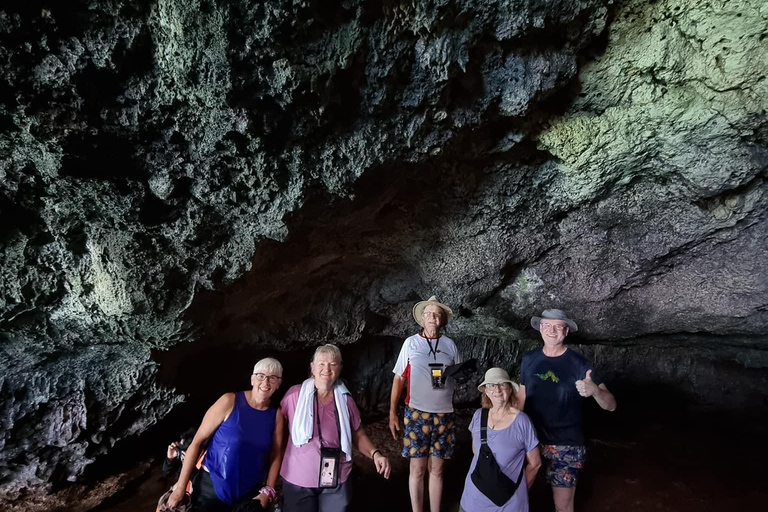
(216, 415)
(276, 452)
(287, 434)
(275, 457)
(397, 389)
(362, 442)
(534, 463)
(605, 398)
(521, 397)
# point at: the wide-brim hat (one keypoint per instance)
(497, 376)
(418, 310)
(553, 314)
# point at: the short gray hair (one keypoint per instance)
(268, 364)
(328, 350)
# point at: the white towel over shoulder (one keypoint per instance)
(303, 419)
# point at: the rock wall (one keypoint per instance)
(271, 175)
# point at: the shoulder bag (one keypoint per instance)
(487, 476)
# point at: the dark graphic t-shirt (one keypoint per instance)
(551, 399)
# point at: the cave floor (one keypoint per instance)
(677, 462)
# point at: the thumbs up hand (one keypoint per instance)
(586, 387)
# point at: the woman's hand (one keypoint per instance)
(263, 499)
(176, 496)
(382, 464)
(173, 451)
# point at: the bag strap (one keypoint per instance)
(483, 426)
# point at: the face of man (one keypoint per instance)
(433, 317)
(553, 332)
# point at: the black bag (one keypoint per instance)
(487, 476)
(463, 371)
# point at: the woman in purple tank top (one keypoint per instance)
(241, 436)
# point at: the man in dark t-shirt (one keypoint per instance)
(554, 383)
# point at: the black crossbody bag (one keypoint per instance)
(487, 476)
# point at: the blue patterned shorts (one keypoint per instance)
(428, 433)
(562, 464)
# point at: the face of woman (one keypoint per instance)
(265, 383)
(325, 370)
(499, 394)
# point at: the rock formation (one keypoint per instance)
(201, 175)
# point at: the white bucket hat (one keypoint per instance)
(418, 310)
(497, 376)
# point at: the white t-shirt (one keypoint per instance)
(413, 365)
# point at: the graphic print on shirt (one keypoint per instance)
(549, 375)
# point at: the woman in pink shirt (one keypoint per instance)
(324, 424)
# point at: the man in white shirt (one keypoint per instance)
(429, 424)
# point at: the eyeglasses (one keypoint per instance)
(557, 327)
(432, 314)
(261, 377)
(501, 385)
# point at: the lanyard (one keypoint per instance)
(433, 351)
(317, 415)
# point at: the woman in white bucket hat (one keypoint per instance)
(512, 439)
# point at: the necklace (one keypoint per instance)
(497, 420)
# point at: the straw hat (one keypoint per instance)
(418, 310)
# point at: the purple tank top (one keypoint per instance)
(238, 451)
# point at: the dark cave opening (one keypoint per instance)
(659, 450)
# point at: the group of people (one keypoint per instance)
(244, 443)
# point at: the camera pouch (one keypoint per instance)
(437, 372)
(330, 460)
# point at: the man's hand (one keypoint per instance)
(394, 426)
(173, 451)
(382, 464)
(176, 497)
(586, 387)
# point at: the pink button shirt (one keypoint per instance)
(301, 465)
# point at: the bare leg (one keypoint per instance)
(563, 498)
(435, 483)
(416, 483)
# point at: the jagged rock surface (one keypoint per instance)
(276, 174)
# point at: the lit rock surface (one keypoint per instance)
(269, 175)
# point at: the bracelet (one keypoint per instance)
(269, 491)
(373, 455)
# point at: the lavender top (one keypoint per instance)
(301, 465)
(509, 446)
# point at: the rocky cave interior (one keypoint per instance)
(187, 186)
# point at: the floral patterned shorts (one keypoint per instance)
(428, 433)
(562, 464)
